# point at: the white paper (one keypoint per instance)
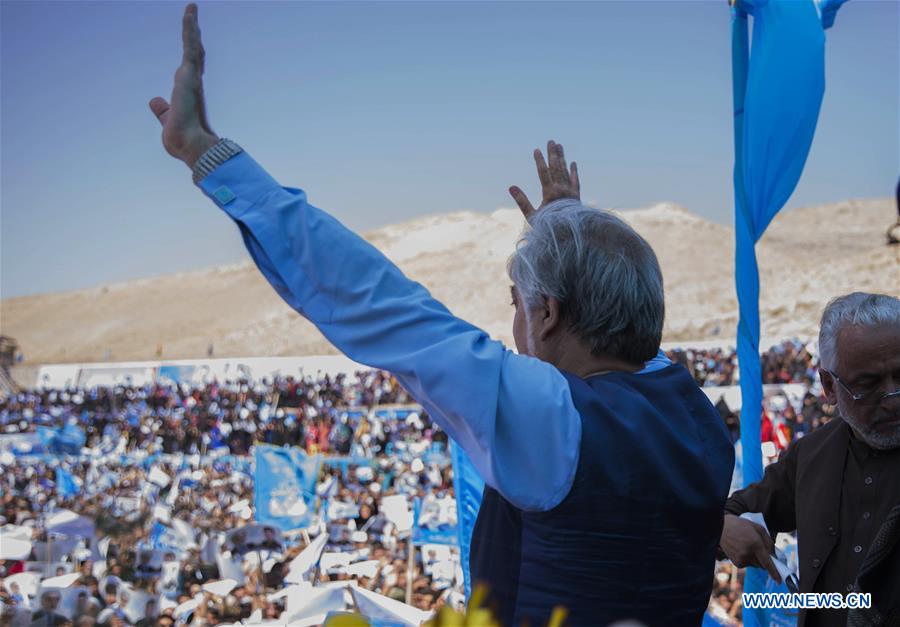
(305, 602)
(221, 587)
(373, 605)
(63, 581)
(780, 564)
(14, 549)
(306, 560)
(362, 569)
(396, 509)
(158, 476)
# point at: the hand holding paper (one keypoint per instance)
(748, 543)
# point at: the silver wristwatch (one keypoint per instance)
(224, 150)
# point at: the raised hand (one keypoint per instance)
(186, 134)
(557, 181)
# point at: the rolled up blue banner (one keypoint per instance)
(469, 488)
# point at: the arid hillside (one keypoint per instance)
(807, 256)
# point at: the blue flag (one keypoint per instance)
(469, 488)
(169, 375)
(65, 483)
(284, 481)
(65, 441)
(777, 94)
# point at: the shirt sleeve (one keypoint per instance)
(773, 496)
(512, 414)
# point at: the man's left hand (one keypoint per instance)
(186, 132)
(557, 181)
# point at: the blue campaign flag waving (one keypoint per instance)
(777, 90)
(284, 481)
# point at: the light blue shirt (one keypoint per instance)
(512, 414)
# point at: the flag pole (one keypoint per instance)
(748, 294)
(410, 567)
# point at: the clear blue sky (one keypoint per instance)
(387, 111)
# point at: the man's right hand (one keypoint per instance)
(747, 544)
(557, 181)
(186, 132)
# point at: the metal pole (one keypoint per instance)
(259, 574)
(49, 551)
(410, 569)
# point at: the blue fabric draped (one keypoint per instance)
(469, 488)
(777, 93)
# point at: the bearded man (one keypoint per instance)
(839, 487)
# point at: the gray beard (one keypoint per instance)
(887, 441)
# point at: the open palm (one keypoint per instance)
(557, 181)
(186, 133)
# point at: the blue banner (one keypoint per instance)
(168, 375)
(776, 617)
(469, 488)
(432, 533)
(166, 538)
(284, 482)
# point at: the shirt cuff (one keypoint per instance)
(238, 184)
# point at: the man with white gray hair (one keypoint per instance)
(607, 467)
(840, 485)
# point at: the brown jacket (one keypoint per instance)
(802, 492)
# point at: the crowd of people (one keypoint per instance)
(178, 454)
(791, 361)
(310, 413)
(787, 414)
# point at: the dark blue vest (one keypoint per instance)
(636, 536)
